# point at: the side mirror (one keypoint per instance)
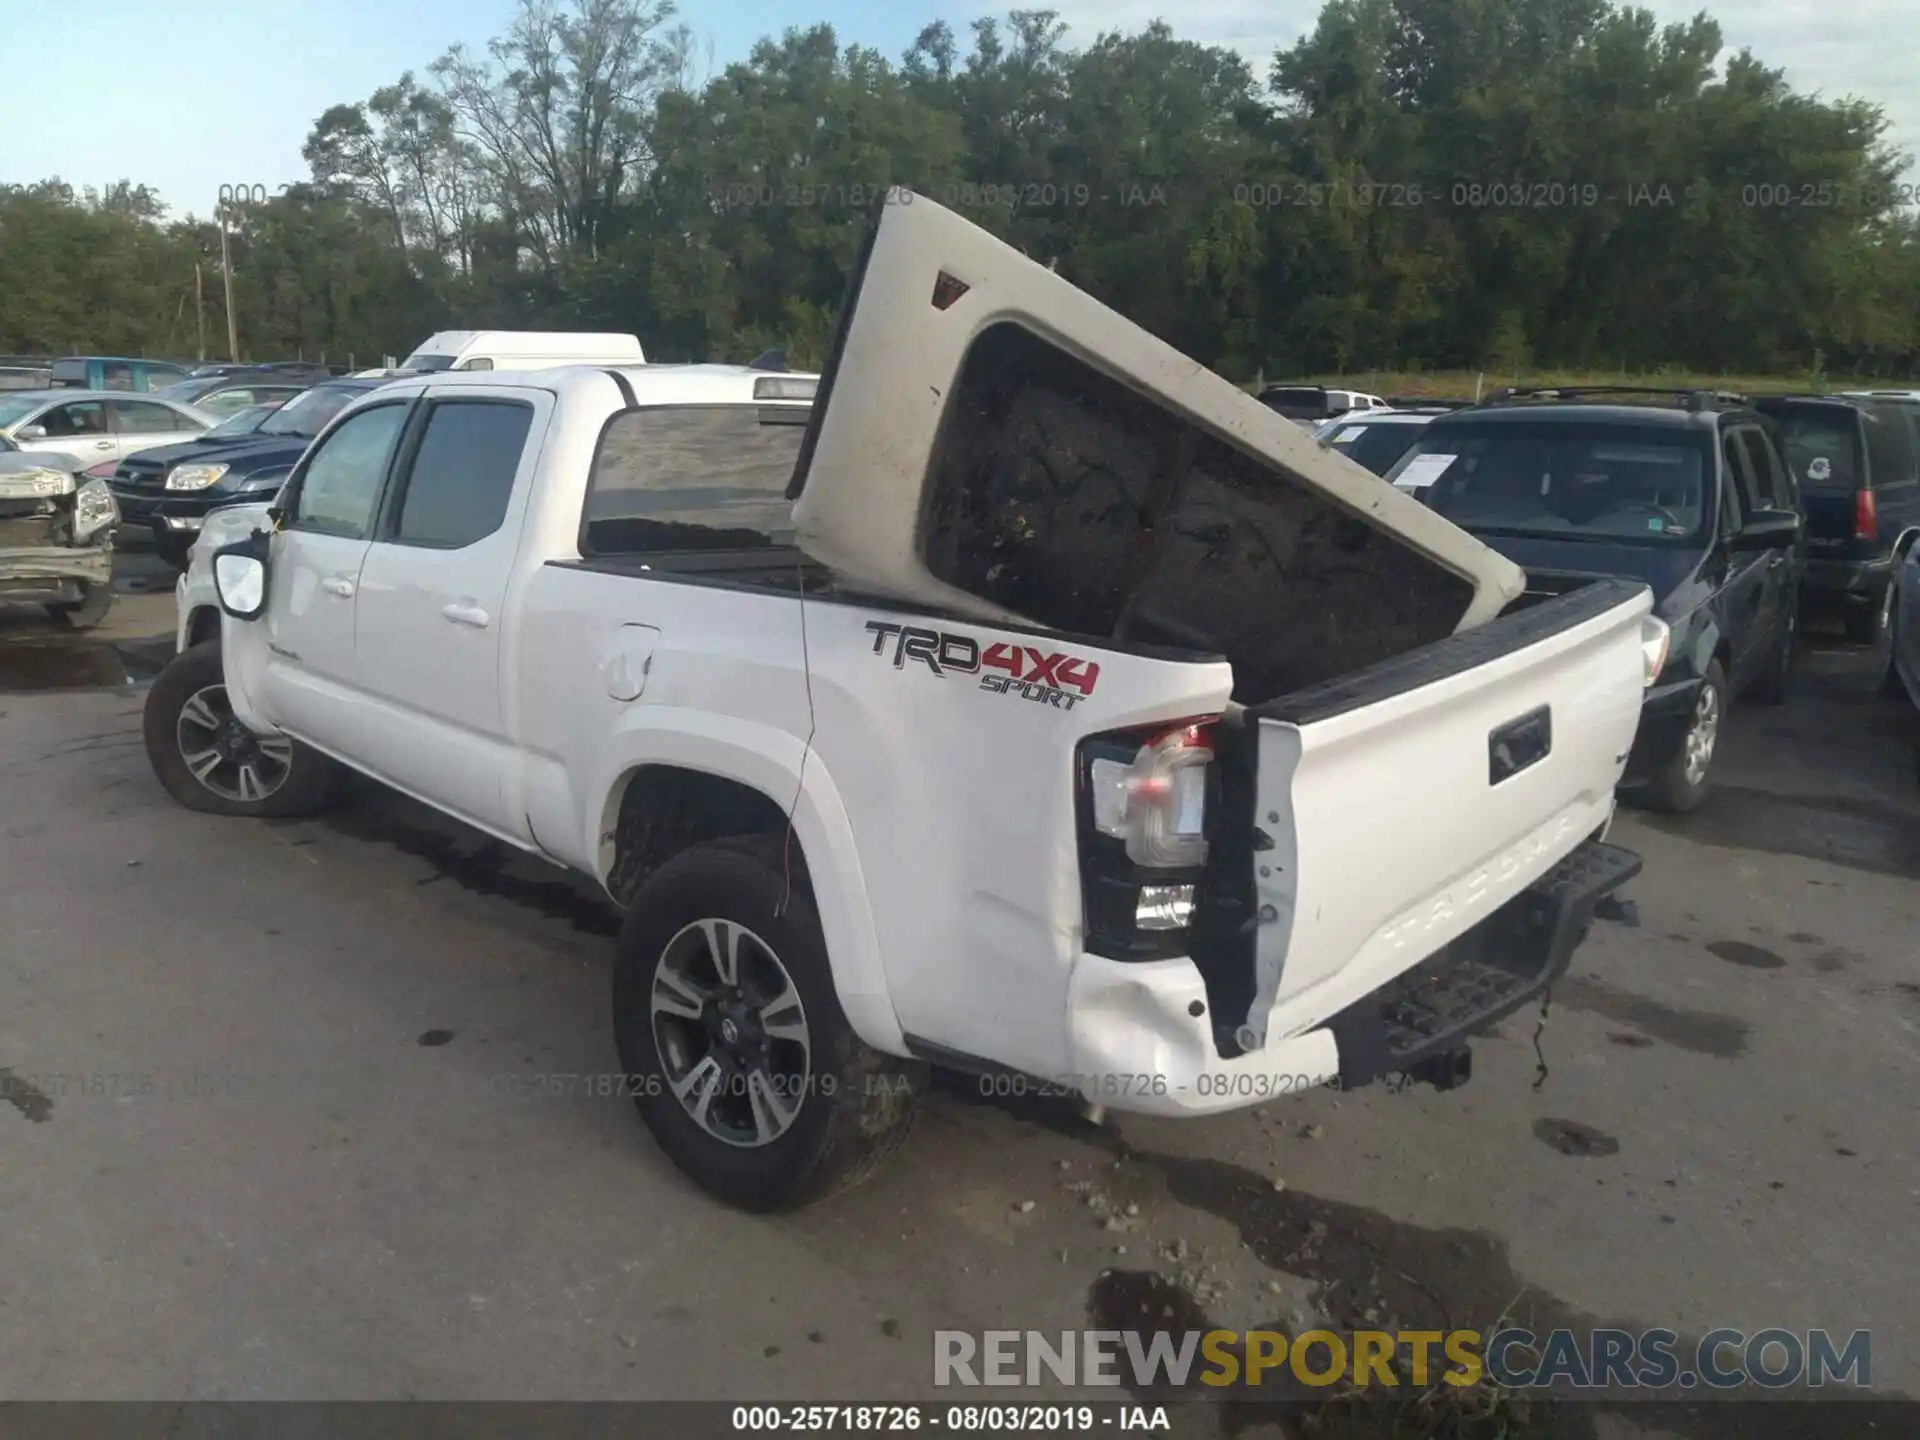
(240, 576)
(31, 432)
(1768, 530)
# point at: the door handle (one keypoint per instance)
(338, 585)
(472, 616)
(103, 444)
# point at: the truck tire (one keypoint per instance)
(732, 1039)
(208, 761)
(1680, 784)
(86, 612)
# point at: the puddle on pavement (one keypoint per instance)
(1373, 1272)
(1702, 1031)
(44, 660)
(28, 1099)
(1750, 957)
(1880, 837)
(1570, 1137)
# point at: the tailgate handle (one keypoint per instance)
(1518, 744)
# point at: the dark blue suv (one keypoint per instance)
(1686, 491)
(173, 489)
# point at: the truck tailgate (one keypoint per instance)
(1402, 805)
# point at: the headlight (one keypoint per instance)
(93, 510)
(194, 477)
(1655, 636)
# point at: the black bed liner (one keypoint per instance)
(1455, 655)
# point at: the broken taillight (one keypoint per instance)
(1156, 802)
(1144, 805)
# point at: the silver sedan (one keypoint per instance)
(100, 427)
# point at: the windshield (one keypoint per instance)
(244, 422)
(1375, 446)
(1568, 480)
(1822, 443)
(16, 408)
(427, 362)
(308, 413)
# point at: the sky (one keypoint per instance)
(225, 91)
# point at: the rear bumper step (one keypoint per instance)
(1513, 956)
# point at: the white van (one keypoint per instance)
(521, 350)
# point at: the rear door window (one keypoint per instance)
(1822, 444)
(145, 417)
(1891, 458)
(1769, 471)
(461, 476)
(1739, 492)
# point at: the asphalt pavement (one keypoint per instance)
(273, 1123)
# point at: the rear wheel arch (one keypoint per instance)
(815, 833)
(655, 812)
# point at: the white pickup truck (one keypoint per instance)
(1029, 701)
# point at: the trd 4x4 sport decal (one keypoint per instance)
(1042, 677)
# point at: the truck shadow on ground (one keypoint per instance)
(474, 862)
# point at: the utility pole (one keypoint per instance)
(226, 270)
(200, 311)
